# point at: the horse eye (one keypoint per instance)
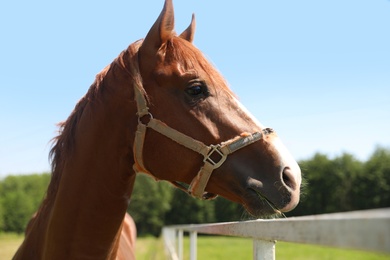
(194, 90)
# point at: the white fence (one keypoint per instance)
(367, 230)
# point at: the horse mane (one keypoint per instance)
(176, 49)
(63, 143)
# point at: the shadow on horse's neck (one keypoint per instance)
(92, 170)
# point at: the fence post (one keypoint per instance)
(193, 249)
(180, 243)
(263, 250)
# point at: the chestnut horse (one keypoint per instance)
(162, 109)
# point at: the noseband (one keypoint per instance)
(214, 155)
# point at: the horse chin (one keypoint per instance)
(259, 206)
(264, 213)
(263, 200)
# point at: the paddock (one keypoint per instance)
(367, 230)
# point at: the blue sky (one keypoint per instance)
(318, 72)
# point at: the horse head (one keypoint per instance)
(196, 121)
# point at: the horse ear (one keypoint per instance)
(188, 33)
(161, 31)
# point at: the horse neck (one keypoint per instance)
(85, 214)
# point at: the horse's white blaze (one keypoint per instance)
(285, 156)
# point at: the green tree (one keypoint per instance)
(345, 171)
(372, 187)
(186, 209)
(226, 211)
(1, 213)
(330, 184)
(18, 208)
(20, 198)
(316, 195)
(149, 203)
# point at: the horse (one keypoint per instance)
(162, 109)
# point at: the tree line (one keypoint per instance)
(330, 185)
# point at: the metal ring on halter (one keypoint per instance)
(140, 118)
(215, 149)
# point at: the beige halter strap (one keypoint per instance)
(220, 151)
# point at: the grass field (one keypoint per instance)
(220, 248)
(8, 245)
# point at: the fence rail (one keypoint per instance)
(367, 230)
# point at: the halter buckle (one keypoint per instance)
(215, 151)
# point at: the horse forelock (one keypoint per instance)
(190, 58)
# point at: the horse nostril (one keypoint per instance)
(287, 177)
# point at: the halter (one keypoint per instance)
(209, 152)
(213, 155)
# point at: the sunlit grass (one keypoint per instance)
(9, 243)
(219, 248)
